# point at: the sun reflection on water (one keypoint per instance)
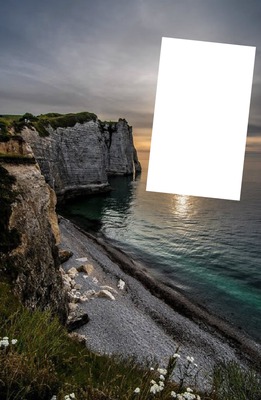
(181, 205)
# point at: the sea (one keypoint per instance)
(207, 249)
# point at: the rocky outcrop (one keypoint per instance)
(78, 159)
(32, 261)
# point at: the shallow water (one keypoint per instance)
(209, 249)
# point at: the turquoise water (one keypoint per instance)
(208, 249)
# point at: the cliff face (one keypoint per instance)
(30, 224)
(79, 159)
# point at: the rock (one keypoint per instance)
(72, 272)
(72, 306)
(86, 268)
(78, 286)
(64, 255)
(77, 337)
(109, 288)
(121, 284)
(77, 160)
(74, 298)
(105, 294)
(77, 320)
(34, 262)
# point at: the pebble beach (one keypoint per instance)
(131, 314)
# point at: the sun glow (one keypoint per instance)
(180, 204)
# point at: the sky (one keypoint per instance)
(102, 56)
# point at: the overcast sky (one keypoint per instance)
(102, 55)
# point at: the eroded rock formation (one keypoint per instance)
(78, 159)
(32, 261)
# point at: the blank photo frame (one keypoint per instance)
(200, 118)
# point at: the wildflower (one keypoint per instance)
(14, 341)
(162, 377)
(151, 368)
(54, 397)
(153, 382)
(161, 383)
(173, 394)
(69, 396)
(137, 390)
(198, 397)
(189, 390)
(162, 371)
(176, 355)
(190, 359)
(155, 388)
(195, 365)
(4, 342)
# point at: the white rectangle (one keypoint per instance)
(200, 118)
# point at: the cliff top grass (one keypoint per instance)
(42, 121)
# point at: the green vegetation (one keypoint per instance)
(41, 122)
(40, 361)
(233, 383)
(9, 239)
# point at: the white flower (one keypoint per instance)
(195, 365)
(176, 355)
(151, 368)
(72, 396)
(173, 394)
(162, 371)
(4, 342)
(189, 390)
(190, 359)
(189, 396)
(161, 383)
(198, 397)
(137, 390)
(67, 397)
(162, 377)
(153, 389)
(54, 397)
(153, 382)
(156, 388)
(14, 341)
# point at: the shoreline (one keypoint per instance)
(162, 308)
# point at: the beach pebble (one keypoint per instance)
(83, 259)
(77, 337)
(86, 268)
(78, 286)
(109, 288)
(72, 306)
(105, 294)
(72, 272)
(121, 284)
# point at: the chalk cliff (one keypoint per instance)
(78, 159)
(29, 231)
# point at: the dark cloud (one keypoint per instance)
(102, 56)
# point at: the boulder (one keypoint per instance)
(86, 268)
(64, 255)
